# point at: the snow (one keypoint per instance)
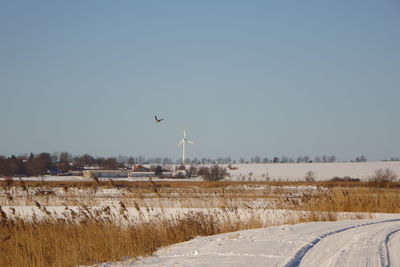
(297, 171)
(267, 216)
(358, 245)
(270, 171)
(374, 242)
(50, 178)
(47, 178)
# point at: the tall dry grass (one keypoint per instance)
(93, 236)
(60, 243)
(370, 200)
(89, 236)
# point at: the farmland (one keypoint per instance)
(118, 219)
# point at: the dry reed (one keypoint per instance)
(372, 200)
(89, 236)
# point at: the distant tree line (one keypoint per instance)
(64, 162)
(392, 159)
(276, 159)
(300, 159)
(46, 163)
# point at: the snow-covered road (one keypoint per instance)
(373, 242)
(359, 245)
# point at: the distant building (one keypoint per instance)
(91, 168)
(105, 173)
(115, 174)
(54, 171)
(140, 168)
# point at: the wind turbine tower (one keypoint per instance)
(183, 143)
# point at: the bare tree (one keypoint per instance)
(66, 157)
(192, 172)
(384, 178)
(216, 173)
(310, 176)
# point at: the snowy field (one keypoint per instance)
(297, 171)
(366, 242)
(267, 172)
(355, 239)
(374, 242)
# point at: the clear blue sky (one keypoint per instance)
(244, 78)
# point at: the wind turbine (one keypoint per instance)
(183, 142)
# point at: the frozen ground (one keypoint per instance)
(269, 171)
(297, 171)
(354, 243)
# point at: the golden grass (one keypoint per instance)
(91, 236)
(59, 243)
(182, 184)
(186, 194)
(372, 200)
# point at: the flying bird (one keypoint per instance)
(158, 120)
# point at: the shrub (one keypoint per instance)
(180, 168)
(158, 170)
(215, 173)
(310, 176)
(192, 172)
(203, 171)
(384, 178)
(344, 179)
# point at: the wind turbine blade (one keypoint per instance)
(181, 142)
(191, 142)
(184, 134)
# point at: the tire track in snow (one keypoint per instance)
(384, 252)
(298, 257)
